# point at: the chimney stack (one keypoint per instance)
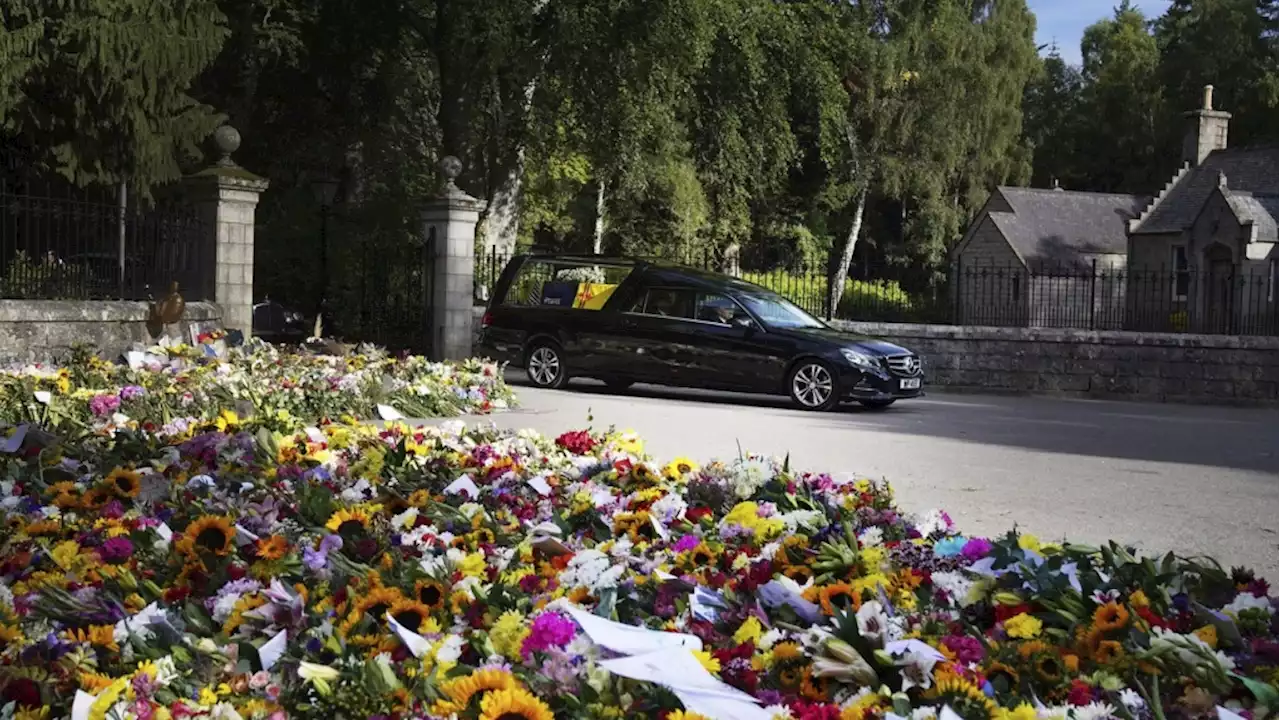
(1206, 130)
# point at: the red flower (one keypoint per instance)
(1081, 693)
(1152, 619)
(1004, 612)
(695, 514)
(578, 442)
(235, 572)
(23, 691)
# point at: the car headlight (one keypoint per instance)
(860, 359)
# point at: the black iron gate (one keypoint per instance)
(386, 299)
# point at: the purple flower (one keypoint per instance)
(550, 629)
(129, 392)
(103, 405)
(116, 549)
(976, 549)
(317, 559)
(686, 543)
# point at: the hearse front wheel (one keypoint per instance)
(545, 366)
(812, 386)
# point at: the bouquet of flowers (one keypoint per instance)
(347, 571)
(182, 384)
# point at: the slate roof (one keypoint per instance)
(1061, 225)
(1259, 210)
(1249, 169)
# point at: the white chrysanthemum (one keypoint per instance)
(1247, 601)
(807, 519)
(669, 507)
(954, 584)
(871, 537)
(1132, 700)
(934, 521)
(224, 605)
(1094, 711)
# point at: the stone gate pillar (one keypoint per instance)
(226, 196)
(449, 236)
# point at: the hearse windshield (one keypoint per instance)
(776, 311)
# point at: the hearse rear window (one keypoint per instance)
(564, 284)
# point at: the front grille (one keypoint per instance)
(904, 365)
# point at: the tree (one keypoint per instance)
(1230, 44)
(1124, 103)
(1052, 120)
(100, 91)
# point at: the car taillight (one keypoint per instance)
(486, 320)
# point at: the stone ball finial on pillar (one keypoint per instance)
(450, 167)
(225, 140)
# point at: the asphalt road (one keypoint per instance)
(1195, 480)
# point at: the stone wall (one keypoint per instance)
(1211, 369)
(44, 330)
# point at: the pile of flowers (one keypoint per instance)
(352, 571)
(172, 387)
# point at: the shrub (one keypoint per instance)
(862, 299)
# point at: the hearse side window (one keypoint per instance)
(665, 302)
(564, 284)
(716, 308)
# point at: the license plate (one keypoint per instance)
(911, 384)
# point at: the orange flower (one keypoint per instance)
(1108, 651)
(1111, 616)
(837, 596)
(273, 547)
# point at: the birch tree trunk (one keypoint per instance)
(597, 243)
(841, 271)
(502, 217)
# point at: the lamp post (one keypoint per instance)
(325, 190)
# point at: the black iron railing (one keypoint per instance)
(62, 242)
(1082, 294)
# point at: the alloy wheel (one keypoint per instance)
(812, 386)
(544, 366)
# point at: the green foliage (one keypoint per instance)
(1117, 123)
(101, 87)
(861, 300)
(1230, 44)
(29, 277)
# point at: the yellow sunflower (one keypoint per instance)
(375, 603)
(102, 636)
(95, 498)
(431, 593)
(346, 521)
(125, 483)
(514, 704)
(209, 534)
(461, 690)
(679, 467)
(414, 615)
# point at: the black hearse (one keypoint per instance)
(628, 321)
